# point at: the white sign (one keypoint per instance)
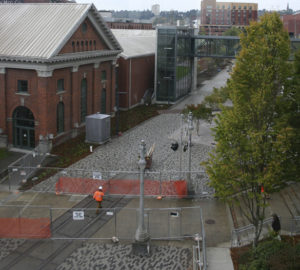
(97, 175)
(109, 213)
(78, 215)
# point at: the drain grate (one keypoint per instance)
(210, 221)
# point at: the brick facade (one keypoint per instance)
(43, 96)
(292, 24)
(136, 77)
(217, 17)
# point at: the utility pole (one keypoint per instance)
(141, 234)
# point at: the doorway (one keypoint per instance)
(23, 128)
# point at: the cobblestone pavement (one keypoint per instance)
(9, 245)
(121, 154)
(95, 256)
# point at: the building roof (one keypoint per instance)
(39, 31)
(136, 43)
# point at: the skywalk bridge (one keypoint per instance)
(226, 46)
(179, 48)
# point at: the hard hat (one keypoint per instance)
(100, 187)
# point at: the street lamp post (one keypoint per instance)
(190, 129)
(180, 157)
(141, 234)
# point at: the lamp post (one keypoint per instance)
(190, 129)
(141, 234)
(180, 157)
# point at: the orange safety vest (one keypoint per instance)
(98, 195)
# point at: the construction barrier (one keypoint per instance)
(176, 188)
(25, 228)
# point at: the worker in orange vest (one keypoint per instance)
(98, 196)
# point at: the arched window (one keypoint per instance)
(60, 117)
(83, 106)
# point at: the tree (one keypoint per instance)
(252, 137)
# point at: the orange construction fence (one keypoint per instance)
(25, 228)
(122, 186)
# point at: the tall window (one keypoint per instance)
(60, 85)
(22, 86)
(83, 108)
(60, 117)
(103, 75)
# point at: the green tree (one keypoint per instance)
(233, 31)
(251, 136)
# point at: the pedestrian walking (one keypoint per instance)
(276, 225)
(98, 196)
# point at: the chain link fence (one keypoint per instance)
(24, 222)
(24, 168)
(79, 181)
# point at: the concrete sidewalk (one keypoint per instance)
(215, 218)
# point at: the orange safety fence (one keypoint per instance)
(122, 186)
(25, 228)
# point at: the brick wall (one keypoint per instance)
(142, 78)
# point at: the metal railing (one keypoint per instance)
(199, 250)
(295, 225)
(245, 235)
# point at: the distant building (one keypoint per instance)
(155, 9)
(117, 23)
(54, 71)
(217, 17)
(105, 14)
(292, 24)
(136, 65)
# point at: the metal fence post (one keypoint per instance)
(115, 214)
(51, 227)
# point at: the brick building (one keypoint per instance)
(292, 24)
(57, 65)
(136, 65)
(217, 17)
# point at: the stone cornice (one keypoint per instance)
(68, 57)
(44, 68)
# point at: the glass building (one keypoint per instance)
(174, 63)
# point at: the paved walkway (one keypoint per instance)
(122, 154)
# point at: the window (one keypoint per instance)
(84, 28)
(22, 86)
(60, 85)
(83, 107)
(103, 75)
(60, 122)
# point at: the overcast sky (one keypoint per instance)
(183, 5)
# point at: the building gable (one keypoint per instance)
(85, 38)
(41, 32)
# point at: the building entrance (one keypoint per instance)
(23, 128)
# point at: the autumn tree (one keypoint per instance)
(252, 137)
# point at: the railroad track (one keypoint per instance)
(41, 254)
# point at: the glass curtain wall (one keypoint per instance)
(174, 63)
